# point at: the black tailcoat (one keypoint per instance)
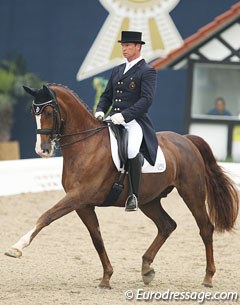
(131, 94)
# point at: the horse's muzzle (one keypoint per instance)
(46, 150)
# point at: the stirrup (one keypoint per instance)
(132, 206)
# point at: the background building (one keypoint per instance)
(212, 57)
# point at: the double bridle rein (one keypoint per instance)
(58, 124)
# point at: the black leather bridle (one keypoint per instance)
(38, 109)
(58, 124)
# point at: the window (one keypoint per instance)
(211, 81)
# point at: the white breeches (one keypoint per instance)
(135, 137)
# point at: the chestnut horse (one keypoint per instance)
(89, 172)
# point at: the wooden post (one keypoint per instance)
(9, 150)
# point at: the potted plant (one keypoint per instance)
(13, 74)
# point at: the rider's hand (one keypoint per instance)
(117, 119)
(99, 115)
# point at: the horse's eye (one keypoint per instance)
(48, 114)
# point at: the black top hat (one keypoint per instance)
(128, 36)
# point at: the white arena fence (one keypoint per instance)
(30, 175)
(39, 175)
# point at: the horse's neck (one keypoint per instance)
(76, 117)
(79, 120)
(87, 152)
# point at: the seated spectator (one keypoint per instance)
(219, 108)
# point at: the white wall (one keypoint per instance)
(216, 135)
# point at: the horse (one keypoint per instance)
(89, 172)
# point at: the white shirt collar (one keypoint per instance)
(132, 63)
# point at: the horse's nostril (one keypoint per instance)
(46, 151)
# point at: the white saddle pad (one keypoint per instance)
(160, 164)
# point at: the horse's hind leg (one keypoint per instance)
(63, 207)
(196, 203)
(165, 225)
(89, 218)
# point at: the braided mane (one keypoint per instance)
(74, 94)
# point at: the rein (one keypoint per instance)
(61, 136)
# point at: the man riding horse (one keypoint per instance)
(130, 92)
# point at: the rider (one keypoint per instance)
(130, 92)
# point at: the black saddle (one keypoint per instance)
(121, 135)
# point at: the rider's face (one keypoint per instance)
(131, 50)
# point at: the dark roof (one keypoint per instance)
(202, 35)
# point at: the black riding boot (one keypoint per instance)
(134, 175)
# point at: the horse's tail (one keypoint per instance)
(222, 195)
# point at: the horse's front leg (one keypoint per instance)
(89, 218)
(63, 207)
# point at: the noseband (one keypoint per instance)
(58, 124)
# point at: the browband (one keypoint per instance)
(38, 108)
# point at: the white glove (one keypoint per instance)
(99, 115)
(117, 119)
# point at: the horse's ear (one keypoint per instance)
(49, 91)
(31, 91)
(45, 88)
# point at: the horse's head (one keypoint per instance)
(45, 109)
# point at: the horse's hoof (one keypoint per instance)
(207, 283)
(13, 253)
(104, 286)
(148, 277)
